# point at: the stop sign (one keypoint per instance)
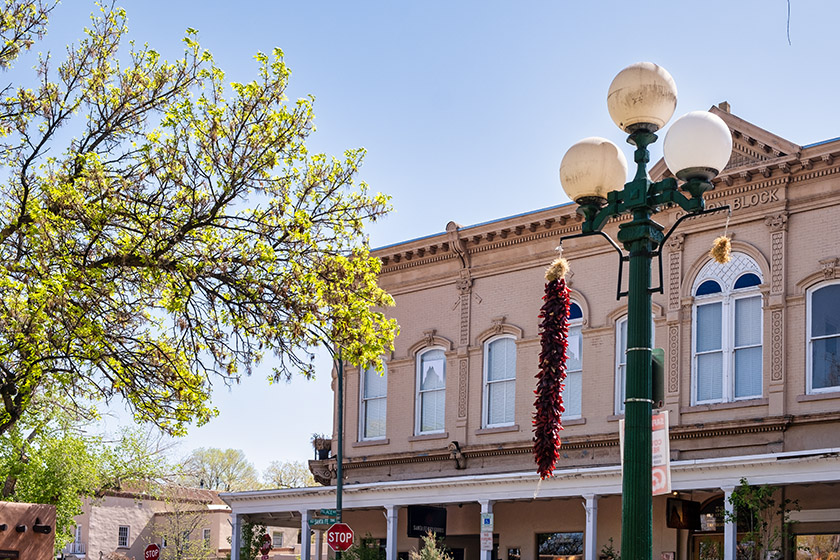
(339, 537)
(152, 552)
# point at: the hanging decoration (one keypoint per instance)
(721, 249)
(554, 331)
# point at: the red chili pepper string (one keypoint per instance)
(554, 331)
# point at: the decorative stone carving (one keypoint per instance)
(324, 472)
(828, 267)
(463, 379)
(429, 335)
(675, 242)
(777, 221)
(777, 345)
(673, 359)
(498, 323)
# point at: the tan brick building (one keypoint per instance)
(751, 374)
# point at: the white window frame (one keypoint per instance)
(363, 404)
(621, 360)
(418, 409)
(120, 543)
(727, 297)
(274, 539)
(809, 342)
(485, 403)
(575, 323)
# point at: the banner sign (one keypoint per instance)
(660, 452)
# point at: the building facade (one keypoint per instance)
(751, 375)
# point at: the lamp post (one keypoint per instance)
(641, 100)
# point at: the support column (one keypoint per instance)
(392, 517)
(236, 536)
(305, 541)
(730, 527)
(486, 507)
(590, 535)
(318, 544)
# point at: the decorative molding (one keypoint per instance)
(463, 380)
(829, 267)
(500, 326)
(673, 359)
(777, 345)
(777, 221)
(777, 262)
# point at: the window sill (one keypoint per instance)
(425, 437)
(818, 396)
(573, 422)
(615, 417)
(371, 442)
(726, 405)
(497, 430)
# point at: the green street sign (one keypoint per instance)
(330, 512)
(323, 521)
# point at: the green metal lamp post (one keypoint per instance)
(641, 99)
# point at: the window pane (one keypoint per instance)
(433, 371)
(622, 347)
(710, 377)
(747, 280)
(501, 357)
(748, 321)
(748, 372)
(826, 363)
(825, 311)
(500, 402)
(573, 356)
(572, 394)
(375, 418)
(708, 287)
(622, 385)
(575, 312)
(375, 384)
(709, 327)
(431, 411)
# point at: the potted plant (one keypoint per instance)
(322, 444)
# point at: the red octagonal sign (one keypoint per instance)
(339, 537)
(152, 552)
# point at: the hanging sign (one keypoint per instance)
(660, 452)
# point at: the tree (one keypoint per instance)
(180, 525)
(432, 550)
(765, 516)
(227, 470)
(252, 539)
(183, 233)
(48, 458)
(288, 474)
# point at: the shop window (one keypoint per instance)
(373, 403)
(818, 547)
(499, 381)
(559, 546)
(727, 332)
(431, 391)
(824, 338)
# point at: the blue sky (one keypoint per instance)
(467, 107)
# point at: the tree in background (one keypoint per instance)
(181, 525)
(225, 470)
(161, 229)
(432, 550)
(764, 514)
(48, 458)
(288, 474)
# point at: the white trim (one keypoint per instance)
(573, 324)
(485, 385)
(620, 360)
(417, 393)
(815, 515)
(792, 467)
(809, 350)
(127, 536)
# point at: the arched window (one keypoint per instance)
(431, 391)
(374, 398)
(824, 338)
(499, 381)
(727, 331)
(573, 393)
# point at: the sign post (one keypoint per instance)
(152, 552)
(340, 537)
